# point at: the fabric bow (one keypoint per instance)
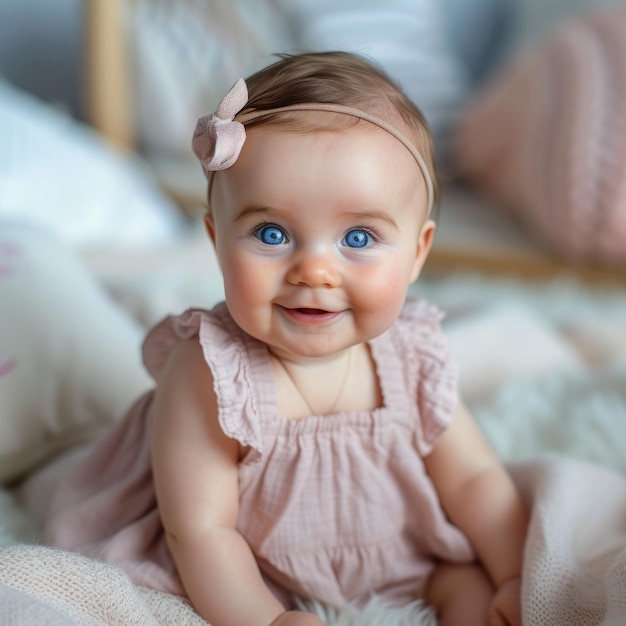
(217, 140)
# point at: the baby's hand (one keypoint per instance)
(297, 618)
(505, 609)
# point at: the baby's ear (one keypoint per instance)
(210, 227)
(424, 244)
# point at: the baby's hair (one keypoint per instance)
(337, 78)
(347, 84)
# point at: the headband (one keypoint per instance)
(219, 137)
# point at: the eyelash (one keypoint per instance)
(259, 227)
(366, 229)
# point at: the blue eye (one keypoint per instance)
(271, 235)
(357, 238)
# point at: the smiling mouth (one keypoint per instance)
(305, 314)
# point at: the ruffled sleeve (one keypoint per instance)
(432, 375)
(225, 352)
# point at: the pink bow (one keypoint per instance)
(217, 140)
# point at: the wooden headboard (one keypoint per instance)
(108, 73)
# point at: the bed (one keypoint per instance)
(83, 273)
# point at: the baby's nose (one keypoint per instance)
(314, 270)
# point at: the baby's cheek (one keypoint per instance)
(251, 282)
(383, 296)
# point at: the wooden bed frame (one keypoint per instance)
(473, 236)
(108, 76)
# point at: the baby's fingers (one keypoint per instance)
(505, 609)
(497, 618)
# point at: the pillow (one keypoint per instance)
(57, 173)
(409, 39)
(546, 138)
(534, 18)
(70, 360)
(187, 55)
(188, 58)
(480, 32)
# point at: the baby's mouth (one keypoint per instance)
(311, 315)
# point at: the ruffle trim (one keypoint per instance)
(224, 352)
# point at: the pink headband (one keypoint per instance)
(219, 138)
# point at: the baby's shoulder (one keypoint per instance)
(418, 309)
(213, 330)
(429, 369)
(418, 337)
(419, 319)
(199, 338)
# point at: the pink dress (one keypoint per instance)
(335, 508)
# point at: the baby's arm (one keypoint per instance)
(480, 498)
(196, 480)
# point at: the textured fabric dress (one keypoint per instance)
(336, 508)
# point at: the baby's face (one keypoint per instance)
(319, 236)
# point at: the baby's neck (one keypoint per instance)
(346, 381)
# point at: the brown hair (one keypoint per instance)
(344, 83)
(337, 78)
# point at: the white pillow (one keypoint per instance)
(408, 38)
(70, 360)
(187, 55)
(187, 58)
(59, 174)
(480, 32)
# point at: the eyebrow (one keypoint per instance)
(253, 209)
(380, 216)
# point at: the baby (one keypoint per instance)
(305, 437)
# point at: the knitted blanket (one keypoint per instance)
(574, 572)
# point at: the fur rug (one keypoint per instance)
(375, 614)
(581, 415)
